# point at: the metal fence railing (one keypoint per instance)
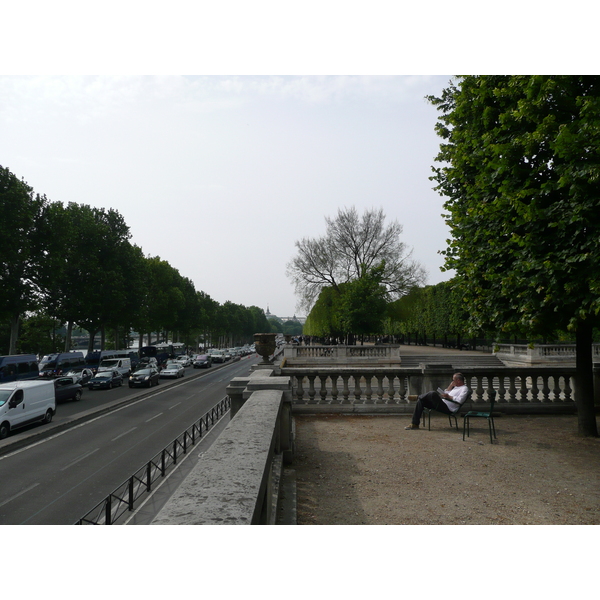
(123, 499)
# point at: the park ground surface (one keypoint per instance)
(353, 470)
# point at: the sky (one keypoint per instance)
(221, 175)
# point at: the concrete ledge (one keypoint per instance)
(233, 480)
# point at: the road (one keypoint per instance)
(59, 478)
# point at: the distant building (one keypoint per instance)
(270, 315)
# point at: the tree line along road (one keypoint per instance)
(59, 478)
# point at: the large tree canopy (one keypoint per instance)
(520, 167)
(352, 247)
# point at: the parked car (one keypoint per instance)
(81, 374)
(202, 361)
(148, 362)
(184, 360)
(144, 377)
(67, 388)
(55, 365)
(25, 402)
(105, 380)
(173, 369)
(122, 365)
(217, 356)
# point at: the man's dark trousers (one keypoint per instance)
(429, 400)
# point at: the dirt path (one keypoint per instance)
(368, 470)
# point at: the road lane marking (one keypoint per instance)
(80, 459)
(174, 405)
(154, 417)
(19, 494)
(124, 433)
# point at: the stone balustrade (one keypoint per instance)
(347, 355)
(541, 353)
(394, 390)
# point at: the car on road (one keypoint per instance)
(67, 388)
(105, 380)
(217, 356)
(202, 361)
(173, 369)
(148, 362)
(144, 378)
(81, 374)
(184, 360)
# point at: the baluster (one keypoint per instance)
(380, 388)
(323, 392)
(501, 389)
(523, 390)
(334, 389)
(545, 388)
(512, 390)
(369, 390)
(402, 389)
(556, 391)
(357, 390)
(300, 389)
(345, 390)
(568, 389)
(311, 389)
(534, 388)
(391, 390)
(480, 389)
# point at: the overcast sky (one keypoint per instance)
(220, 175)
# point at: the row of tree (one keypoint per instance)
(519, 166)
(75, 264)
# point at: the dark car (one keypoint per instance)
(144, 378)
(67, 388)
(105, 380)
(203, 361)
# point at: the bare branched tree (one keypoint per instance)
(350, 248)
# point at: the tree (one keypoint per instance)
(350, 248)
(520, 166)
(364, 302)
(21, 249)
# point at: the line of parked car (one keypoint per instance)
(145, 374)
(31, 400)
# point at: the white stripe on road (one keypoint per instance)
(80, 458)
(19, 494)
(124, 433)
(154, 417)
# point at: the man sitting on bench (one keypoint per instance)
(446, 401)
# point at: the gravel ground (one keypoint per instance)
(353, 470)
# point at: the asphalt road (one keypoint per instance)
(63, 470)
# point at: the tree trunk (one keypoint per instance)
(68, 336)
(92, 335)
(584, 391)
(14, 334)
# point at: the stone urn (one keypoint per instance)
(288, 338)
(265, 346)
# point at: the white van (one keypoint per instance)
(122, 365)
(25, 402)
